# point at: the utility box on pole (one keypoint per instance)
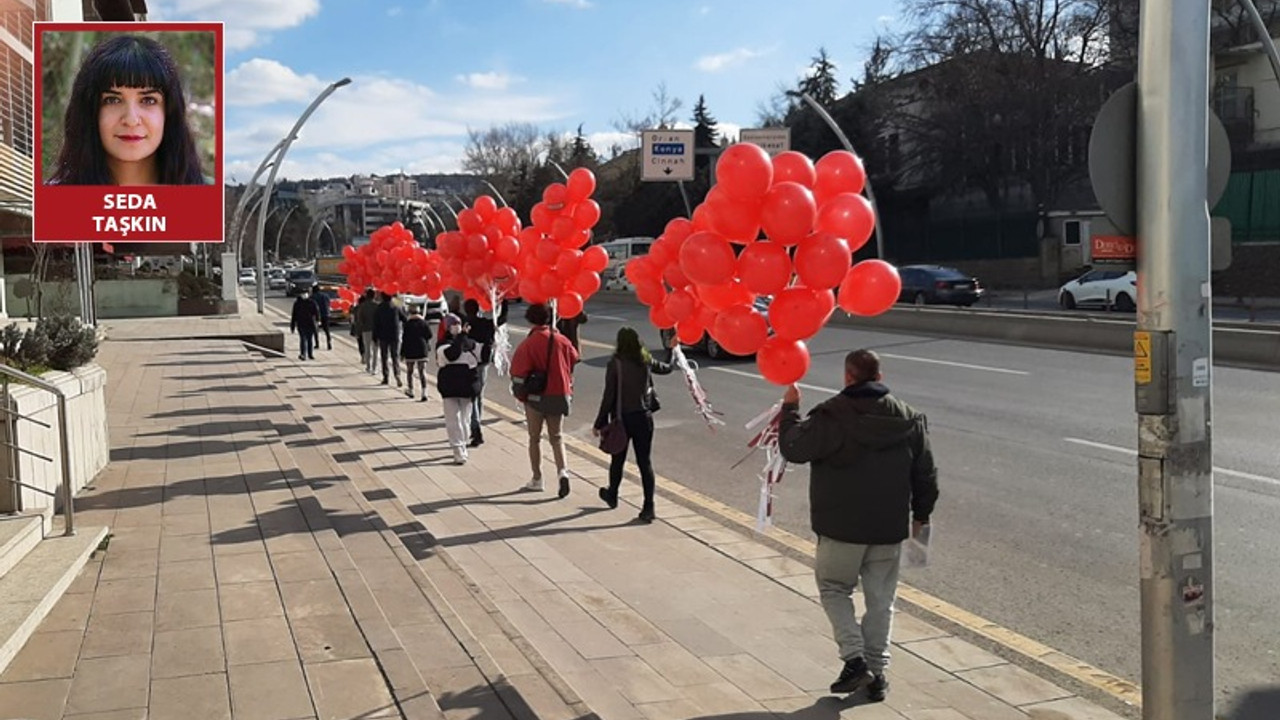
(1173, 360)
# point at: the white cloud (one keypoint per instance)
(246, 20)
(412, 158)
(726, 60)
(263, 82)
(488, 80)
(729, 130)
(580, 4)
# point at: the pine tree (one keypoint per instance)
(821, 83)
(581, 154)
(705, 132)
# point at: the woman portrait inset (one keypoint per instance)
(126, 120)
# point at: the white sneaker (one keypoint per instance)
(459, 456)
(535, 485)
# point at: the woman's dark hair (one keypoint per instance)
(127, 61)
(537, 314)
(630, 348)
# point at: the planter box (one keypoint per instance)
(88, 440)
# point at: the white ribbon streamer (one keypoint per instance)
(699, 395)
(766, 429)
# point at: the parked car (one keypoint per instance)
(248, 277)
(299, 281)
(1103, 289)
(276, 280)
(708, 344)
(937, 285)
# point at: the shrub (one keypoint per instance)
(33, 350)
(69, 343)
(10, 339)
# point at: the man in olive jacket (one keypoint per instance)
(871, 481)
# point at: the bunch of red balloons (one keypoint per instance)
(555, 264)
(481, 259)
(783, 227)
(393, 262)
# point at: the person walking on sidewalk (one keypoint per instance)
(304, 321)
(433, 311)
(483, 330)
(871, 481)
(628, 386)
(569, 328)
(415, 346)
(363, 318)
(457, 381)
(322, 302)
(386, 330)
(542, 379)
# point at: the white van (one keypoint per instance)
(620, 251)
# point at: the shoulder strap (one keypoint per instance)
(551, 345)
(618, 363)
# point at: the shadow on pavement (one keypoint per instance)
(1257, 704)
(187, 449)
(228, 410)
(242, 484)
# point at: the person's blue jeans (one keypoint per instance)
(308, 340)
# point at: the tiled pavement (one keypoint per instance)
(290, 541)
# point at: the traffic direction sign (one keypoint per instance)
(773, 140)
(666, 155)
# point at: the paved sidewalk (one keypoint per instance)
(686, 618)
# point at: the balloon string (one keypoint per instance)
(775, 465)
(501, 339)
(696, 391)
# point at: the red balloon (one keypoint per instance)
(739, 221)
(740, 329)
(568, 263)
(690, 330)
(651, 293)
(508, 221)
(745, 171)
(348, 252)
(548, 252)
(764, 267)
(662, 253)
(541, 217)
(586, 214)
(477, 245)
(675, 277)
(788, 213)
(469, 221)
(707, 259)
(659, 317)
(531, 290)
(680, 304)
(782, 361)
(822, 260)
(581, 183)
(839, 171)
(792, 166)
(798, 313)
(586, 283)
(849, 216)
(595, 259)
(562, 229)
(569, 305)
(639, 270)
(507, 249)
(870, 288)
(551, 284)
(701, 220)
(718, 297)
(554, 196)
(678, 230)
(486, 207)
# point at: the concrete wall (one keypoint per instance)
(87, 434)
(140, 297)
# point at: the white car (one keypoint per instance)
(276, 280)
(248, 277)
(1105, 289)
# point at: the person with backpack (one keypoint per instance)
(415, 346)
(458, 358)
(542, 379)
(628, 404)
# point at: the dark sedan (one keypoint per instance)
(937, 285)
(299, 281)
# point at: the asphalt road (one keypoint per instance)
(1036, 528)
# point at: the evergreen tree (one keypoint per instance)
(581, 154)
(821, 83)
(705, 132)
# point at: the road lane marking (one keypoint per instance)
(1217, 470)
(950, 363)
(757, 376)
(613, 318)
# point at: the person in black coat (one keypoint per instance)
(484, 331)
(628, 385)
(322, 301)
(415, 346)
(304, 320)
(387, 320)
(459, 357)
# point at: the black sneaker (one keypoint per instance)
(878, 688)
(609, 498)
(646, 516)
(476, 441)
(564, 487)
(853, 677)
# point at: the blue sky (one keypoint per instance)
(426, 70)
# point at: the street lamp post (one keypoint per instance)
(271, 179)
(285, 221)
(230, 260)
(844, 140)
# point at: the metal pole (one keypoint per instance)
(1264, 36)
(271, 181)
(280, 232)
(844, 140)
(1173, 357)
(64, 446)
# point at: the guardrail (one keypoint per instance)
(12, 417)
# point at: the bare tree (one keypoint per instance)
(662, 114)
(502, 153)
(773, 112)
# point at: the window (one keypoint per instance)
(1071, 232)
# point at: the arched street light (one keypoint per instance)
(271, 178)
(285, 221)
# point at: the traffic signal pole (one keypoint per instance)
(1173, 363)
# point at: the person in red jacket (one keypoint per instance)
(549, 354)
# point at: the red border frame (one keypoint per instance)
(189, 208)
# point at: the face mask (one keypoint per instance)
(306, 296)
